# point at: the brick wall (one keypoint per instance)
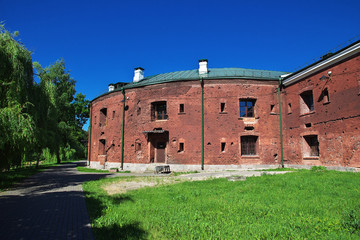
(335, 119)
(223, 128)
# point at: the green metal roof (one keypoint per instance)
(214, 73)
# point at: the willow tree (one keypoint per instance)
(16, 86)
(65, 113)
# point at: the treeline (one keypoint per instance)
(39, 120)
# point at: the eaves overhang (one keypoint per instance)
(339, 56)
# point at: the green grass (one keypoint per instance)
(298, 205)
(280, 169)
(85, 169)
(181, 173)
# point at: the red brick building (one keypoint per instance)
(213, 118)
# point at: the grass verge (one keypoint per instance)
(86, 169)
(298, 205)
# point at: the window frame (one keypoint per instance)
(249, 148)
(159, 114)
(249, 105)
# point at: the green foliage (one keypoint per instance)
(36, 116)
(298, 205)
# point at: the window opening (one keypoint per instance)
(325, 95)
(247, 107)
(113, 115)
(307, 102)
(158, 111)
(222, 107)
(103, 114)
(138, 112)
(181, 147)
(272, 106)
(137, 146)
(249, 128)
(223, 145)
(248, 145)
(289, 108)
(102, 143)
(311, 146)
(307, 125)
(181, 108)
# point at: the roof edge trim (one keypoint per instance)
(337, 57)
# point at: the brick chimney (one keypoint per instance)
(138, 74)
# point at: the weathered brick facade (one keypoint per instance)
(320, 112)
(335, 119)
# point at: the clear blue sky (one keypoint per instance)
(103, 41)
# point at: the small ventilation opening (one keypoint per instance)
(181, 108)
(222, 107)
(307, 125)
(223, 145)
(181, 147)
(249, 128)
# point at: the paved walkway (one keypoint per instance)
(48, 205)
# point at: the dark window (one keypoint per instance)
(102, 143)
(312, 146)
(113, 115)
(223, 145)
(103, 114)
(247, 107)
(181, 147)
(158, 111)
(222, 107)
(181, 108)
(248, 145)
(307, 102)
(138, 112)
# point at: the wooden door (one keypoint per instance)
(160, 152)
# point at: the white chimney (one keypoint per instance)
(111, 87)
(139, 74)
(203, 69)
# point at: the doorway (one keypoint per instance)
(160, 152)
(158, 142)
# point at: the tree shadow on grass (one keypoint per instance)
(96, 207)
(128, 231)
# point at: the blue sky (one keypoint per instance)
(103, 41)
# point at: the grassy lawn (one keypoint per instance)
(298, 205)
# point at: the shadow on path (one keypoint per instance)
(48, 205)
